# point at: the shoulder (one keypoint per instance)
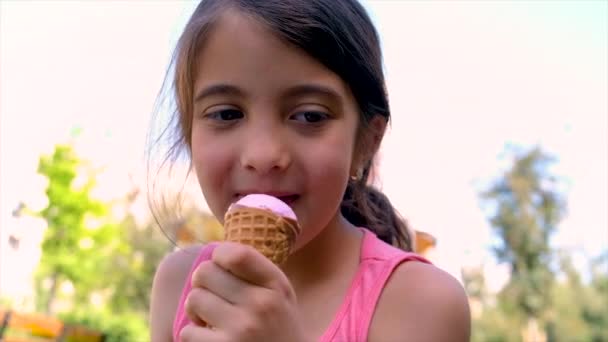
(169, 280)
(424, 303)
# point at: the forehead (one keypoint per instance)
(241, 49)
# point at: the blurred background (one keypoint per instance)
(497, 156)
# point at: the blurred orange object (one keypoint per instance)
(424, 243)
(30, 327)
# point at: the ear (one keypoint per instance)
(377, 128)
(368, 142)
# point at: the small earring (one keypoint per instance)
(357, 175)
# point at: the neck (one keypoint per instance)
(325, 255)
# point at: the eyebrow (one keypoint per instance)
(291, 92)
(312, 89)
(218, 89)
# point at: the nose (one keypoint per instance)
(265, 152)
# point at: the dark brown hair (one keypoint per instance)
(340, 35)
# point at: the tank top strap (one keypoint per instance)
(378, 261)
(181, 320)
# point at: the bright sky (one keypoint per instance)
(465, 79)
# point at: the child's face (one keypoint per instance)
(270, 119)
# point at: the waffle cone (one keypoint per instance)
(272, 235)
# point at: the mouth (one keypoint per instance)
(288, 198)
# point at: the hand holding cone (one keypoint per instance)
(265, 223)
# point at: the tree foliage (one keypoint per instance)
(109, 261)
(527, 208)
(79, 237)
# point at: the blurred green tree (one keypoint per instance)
(566, 321)
(109, 261)
(80, 235)
(595, 308)
(134, 267)
(579, 311)
(526, 207)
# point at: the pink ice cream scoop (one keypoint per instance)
(267, 202)
(265, 223)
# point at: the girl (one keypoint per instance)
(287, 98)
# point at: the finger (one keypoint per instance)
(203, 306)
(251, 266)
(219, 281)
(193, 333)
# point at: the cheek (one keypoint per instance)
(212, 161)
(327, 183)
(331, 161)
(327, 169)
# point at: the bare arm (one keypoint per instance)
(167, 287)
(422, 303)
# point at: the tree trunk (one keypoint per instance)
(52, 294)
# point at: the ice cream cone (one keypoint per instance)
(271, 234)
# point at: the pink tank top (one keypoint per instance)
(352, 321)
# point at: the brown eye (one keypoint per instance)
(310, 117)
(226, 115)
